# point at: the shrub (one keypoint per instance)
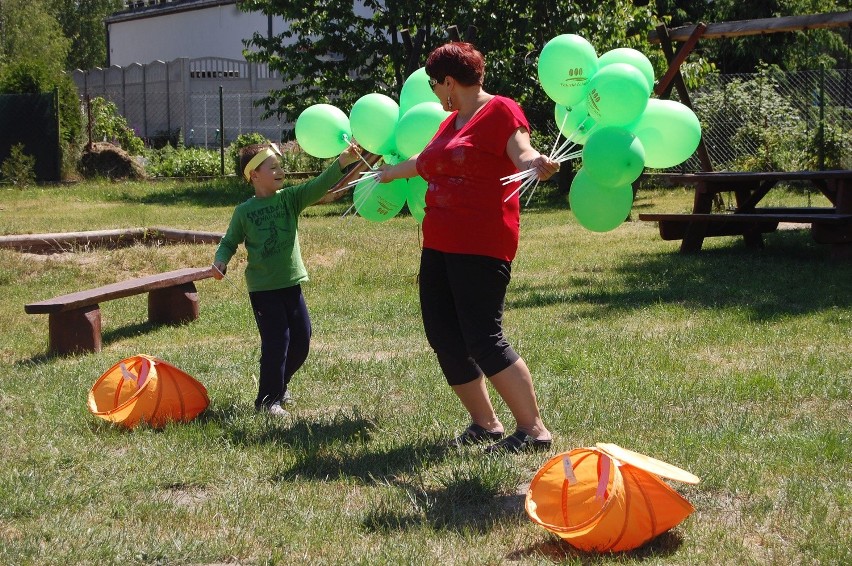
(295, 159)
(108, 125)
(242, 141)
(183, 162)
(19, 168)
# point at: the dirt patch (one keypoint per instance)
(102, 159)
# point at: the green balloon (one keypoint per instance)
(669, 131)
(613, 156)
(574, 122)
(618, 94)
(378, 202)
(373, 118)
(415, 90)
(322, 130)
(630, 57)
(565, 65)
(416, 198)
(597, 207)
(417, 127)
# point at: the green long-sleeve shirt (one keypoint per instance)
(269, 229)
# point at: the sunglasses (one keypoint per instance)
(432, 83)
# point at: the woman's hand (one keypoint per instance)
(402, 170)
(384, 173)
(544, 166)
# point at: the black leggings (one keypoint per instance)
(285, 338)
(461, 300)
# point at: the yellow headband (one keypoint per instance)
(262, 156)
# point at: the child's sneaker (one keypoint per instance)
(275, 410)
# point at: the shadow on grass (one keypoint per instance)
(558, 551)
(107, 336)
(791, 275)
(444, 510)
(208, 193)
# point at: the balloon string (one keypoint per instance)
(558, 133)
(357, 202)
(361, 157)
(364, 175)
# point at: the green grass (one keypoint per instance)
(732, 364)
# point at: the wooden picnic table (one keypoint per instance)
(829, 225)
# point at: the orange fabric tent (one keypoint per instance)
(606, 498)
(143, 388)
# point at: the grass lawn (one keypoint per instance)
(732, 364)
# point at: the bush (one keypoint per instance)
(183, 162)
(242, 141)
(33, 77)
(19, 168)
(110, 126)
(295, 159)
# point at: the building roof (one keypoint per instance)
(139, 9)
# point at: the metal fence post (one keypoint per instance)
(821, 126)
(221, 133)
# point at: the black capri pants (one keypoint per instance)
(461, 300)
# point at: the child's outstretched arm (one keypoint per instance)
(349, 156)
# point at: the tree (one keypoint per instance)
(30, 33)
(336, 55)
(82, 22)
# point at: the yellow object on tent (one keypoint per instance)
(143, 388)
(606, 498)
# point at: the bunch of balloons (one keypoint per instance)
(603, 103)
(381, 126)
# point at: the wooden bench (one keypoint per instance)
(75, 319)
(829, 225)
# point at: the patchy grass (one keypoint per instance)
(731, 364)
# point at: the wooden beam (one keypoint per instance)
(760, 26)
(676, 61)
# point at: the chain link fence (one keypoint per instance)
(767, 120)
(159, 118)
(775, 121)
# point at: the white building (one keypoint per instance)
(164, 30)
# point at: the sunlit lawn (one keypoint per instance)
(733, 364)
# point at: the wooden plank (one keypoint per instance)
(677, 59)
(748, 218)
(759, 26)
(127, 288)
(741, 176)
(67, 241)
(185, 236)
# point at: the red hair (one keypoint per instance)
(459, 60)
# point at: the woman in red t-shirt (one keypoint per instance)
(470, 236)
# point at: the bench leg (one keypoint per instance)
(75, 331)
(173, 304)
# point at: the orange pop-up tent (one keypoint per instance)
(143, 388)
(606, 498)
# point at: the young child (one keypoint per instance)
(268, 226)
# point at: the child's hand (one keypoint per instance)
(350, 155)
(219, 270)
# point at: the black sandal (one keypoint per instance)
(474, 434)
(519, 441)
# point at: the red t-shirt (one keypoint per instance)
(465, 212)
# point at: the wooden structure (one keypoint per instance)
(832, 225)
(68, 241)
(829, 225)
(75, 319)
